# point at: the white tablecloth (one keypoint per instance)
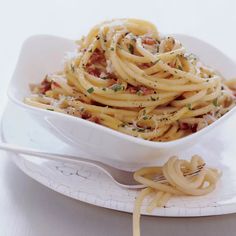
(30, 209)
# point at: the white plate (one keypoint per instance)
(90, 185)
(105, 144)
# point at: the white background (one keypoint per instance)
(29, 209)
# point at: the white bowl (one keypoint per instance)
(44, 54)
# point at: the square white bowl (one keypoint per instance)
(44, 54)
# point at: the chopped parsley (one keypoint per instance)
(215, 102)
(132, 37)
(104, 77)
(104, 89)
(122, 125)
(90, 90)
(131, 48)
(145, 117)
(116, 87)
(155, 62)
(141, 130)
(50, 109)
(112, 49)
(153, 99)
(72, 68)
(189, 106)
(139, 93)
(180, 67)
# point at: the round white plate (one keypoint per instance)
(90, 185)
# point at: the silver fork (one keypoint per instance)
(121, 177)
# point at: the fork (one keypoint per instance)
(122, 178)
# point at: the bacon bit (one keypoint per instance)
(194, 128)
(45, 86)
(146, 91)
(94, 71)
(112, 76)
(55, 85)
(184, 126)
(97, 57)
(85, 115)
(145, 65)
(149, 41)
(142, 89)
(111, 82)
(181, 97)
(94, 119)
(132, 89)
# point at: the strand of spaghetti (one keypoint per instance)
(196, 97)
(137, 209)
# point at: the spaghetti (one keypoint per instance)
(127, 77)
(181, 177)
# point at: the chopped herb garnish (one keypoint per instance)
(131, 48)
(215, 102)
(104, 77)
(140, 129)
(180, 67)
(139, 93)
(90, 50)
(104, 89)
(145, 117)
(155, 62)
(189, 106)
(207, 80)
(72, 68)
(117, 87)
(90, 90)
(112, 49)
(50, 109)
(153, 99)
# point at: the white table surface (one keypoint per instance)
(30, 209)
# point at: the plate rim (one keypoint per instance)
(173, 211)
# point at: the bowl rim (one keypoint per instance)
(129, 138)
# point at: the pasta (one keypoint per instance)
(127, 77)
(180, 177)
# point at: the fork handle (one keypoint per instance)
(53, 156)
